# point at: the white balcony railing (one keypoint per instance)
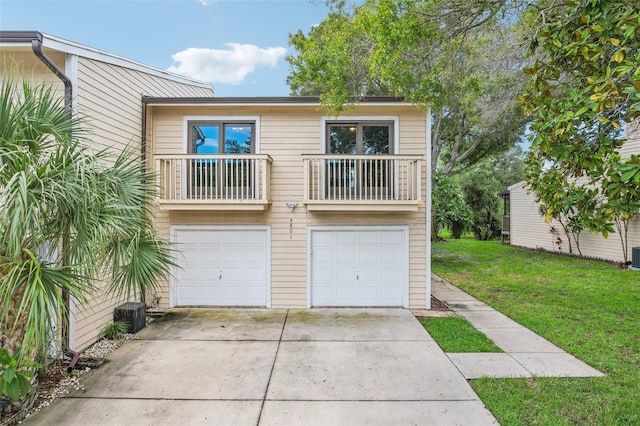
(190, 181)
(374, 182)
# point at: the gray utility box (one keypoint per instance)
(134, 314)
(635, 257)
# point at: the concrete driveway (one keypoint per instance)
(275, 367)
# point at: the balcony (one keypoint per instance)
(214, 182)
(362, 182)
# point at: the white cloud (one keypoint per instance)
(229, 66)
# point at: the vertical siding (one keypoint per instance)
(528, 229)
(109, 97)
(285, 134)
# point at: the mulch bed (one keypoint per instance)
(438, 305)
(47, 382)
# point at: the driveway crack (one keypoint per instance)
(275, 358)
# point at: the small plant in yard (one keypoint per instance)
(15, 376)
(115, 330)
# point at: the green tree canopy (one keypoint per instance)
(457, 58)
(70, 217)
(585, 91)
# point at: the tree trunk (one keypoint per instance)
(12, 332)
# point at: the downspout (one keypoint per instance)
(36, 46)
(428, 194)
(143, 142)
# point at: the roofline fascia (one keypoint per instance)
(21, 38)
(267, 101)
(67, 46)
(522, 184)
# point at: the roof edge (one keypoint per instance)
(271, 100)
(71, 47)
(19, 36)
(522, 183)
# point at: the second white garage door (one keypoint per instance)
(221, 267)
(359, 267)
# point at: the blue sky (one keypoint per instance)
(239, 45)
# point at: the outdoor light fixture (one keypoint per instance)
(292, 205)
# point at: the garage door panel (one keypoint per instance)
(231, 238)
(358, 268)
(221, 267)
(322, 292)
(323, 239)
(189, 238)
(391, 275)
(345, 238)
(391, 238)
(323, 255)
(369, 275)
(345, 273)
(390, 259)
(253, 255)
(368, 238)
(369, 293)
(346, 293)
(321, 275)
(255, 275)
(209, 293)
(345, 255)
(232, 275)
(368, 256)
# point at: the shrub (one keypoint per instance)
(15, 376)
(115, 330)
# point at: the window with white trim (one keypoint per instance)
(224, 171)
(353, 176)
(221, 137)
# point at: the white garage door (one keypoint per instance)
(359, 267)
(221, 267)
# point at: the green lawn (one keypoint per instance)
(588, 308)
(455, 334)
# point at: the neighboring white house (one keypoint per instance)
(107, 90)
(528, 228)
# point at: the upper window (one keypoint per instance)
(217, 137)
(371, 137)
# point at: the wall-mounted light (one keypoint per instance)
(292, 205)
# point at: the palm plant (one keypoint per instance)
(69, 216)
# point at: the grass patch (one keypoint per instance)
(455, 334)
(588, 308)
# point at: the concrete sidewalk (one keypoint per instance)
(526, 354)
(275, 367)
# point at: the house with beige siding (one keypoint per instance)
(273, 203)
(528, 228)
(107, 91)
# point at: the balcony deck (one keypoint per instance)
(214, 182)
(362, 182)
